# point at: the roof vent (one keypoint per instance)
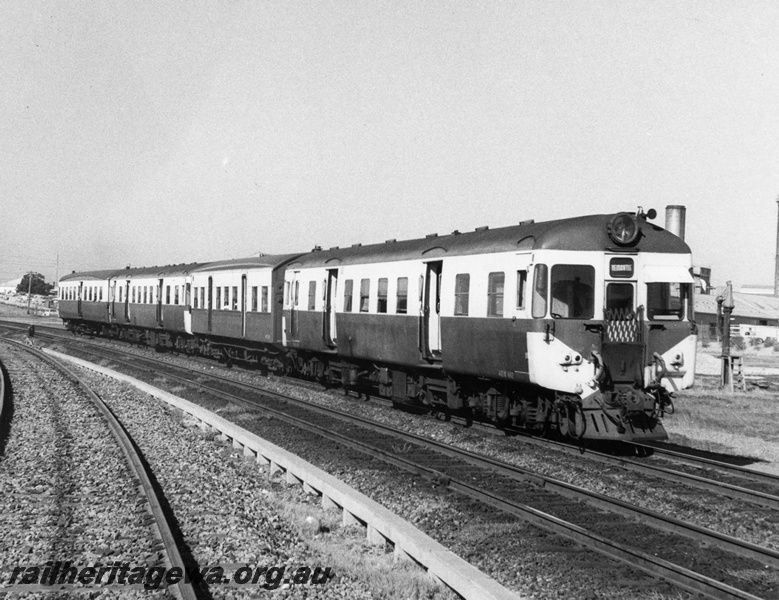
(484, 228)
(392, 241)
(127, 268)
(528, 222)
(356, 245)
(431, 235)
(316, 249)
(456, 232)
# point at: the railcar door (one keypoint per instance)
(159, 302)
(243, 305)
(112, 300)
(80, 296)
(431, 311)
(127, 300)
(329, 333)
(293, 333)
(210, 302)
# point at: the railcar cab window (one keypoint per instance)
(495, 285)
(254, 298)
(348, 294)
(401, 306)
(235, 298)
(381, 305)
(462, 286)
(619, 297)
(573, 291)
(667, 301)
(365, 294)
(264, 298)
(218, 297)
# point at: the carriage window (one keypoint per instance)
(382, 294)
(462, 286)
(175, 294)
(540, 291)
(619, 296)
(264, 298)
(203, 297)
(218, 297)
(401, 305)
(312, 295)
(195, 301)
(167, 294)
(133, 294)
(348, 295)
(573, 291)
(254, 298)
(666, 301)
(495, 294)
(296, 299)
(365, 294)
(521, 285)
(101, 294)
(235, 297)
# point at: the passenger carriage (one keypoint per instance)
(236, 307)
(83, 298)
(152, 305)
(581, 325)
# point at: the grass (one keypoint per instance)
(347, 550)
(745, 423)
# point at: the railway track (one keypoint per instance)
(58, 475)
(606, 525)
(761, 494)
(687, 468)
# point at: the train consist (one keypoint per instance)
(581, 326)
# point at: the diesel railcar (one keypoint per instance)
(581, 326)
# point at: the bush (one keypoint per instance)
(769, 343)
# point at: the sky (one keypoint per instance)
(146, 133)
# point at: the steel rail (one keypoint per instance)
(184, 588)
(725, 489)
(685, 578)
(766, 556)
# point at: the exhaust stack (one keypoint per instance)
(675, 217)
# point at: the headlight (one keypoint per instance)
(623, 229)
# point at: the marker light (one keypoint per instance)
(623, 229)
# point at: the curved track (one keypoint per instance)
(158, 521)
(503, 486)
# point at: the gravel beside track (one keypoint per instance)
(65, 493)
(439, 516)
(226, 507)
(520, 556)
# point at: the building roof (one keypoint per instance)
(13, 284)
(750, 306)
